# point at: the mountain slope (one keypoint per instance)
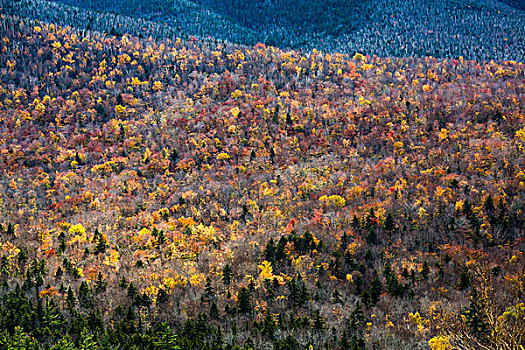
(255, 198)
(481, 30)
(519, 4)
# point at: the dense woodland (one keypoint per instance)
(193, 194)
(481, 30)
(515, 3)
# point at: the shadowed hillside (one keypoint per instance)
(515, 3)
(481, 30)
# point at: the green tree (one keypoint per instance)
(86, 341)
(476, 317)
(165, 339)
(227, 274)
(64, 343)
(269, 251)
(209, 292)
(100, 284)
(18, 341)
(244, 304)
(101, 245)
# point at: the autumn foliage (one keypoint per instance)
(278, 198)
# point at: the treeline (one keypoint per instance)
(481, 31)
(515, 3)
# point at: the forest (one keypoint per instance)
(164, 192)
(481, 30)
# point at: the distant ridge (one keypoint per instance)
(519, 4)
(478, 30)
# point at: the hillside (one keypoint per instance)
(479, 30)
(520, 5)
(255, 198)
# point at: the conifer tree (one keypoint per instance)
(165, 339)
(227, 274)
(101, 245)
(475, 316)
(10, 229)
(214, 311)
(100, 284)
(244, 304)
(209, 293)
(132, 292)
(162, 296)
(269, 251)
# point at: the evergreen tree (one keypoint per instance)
(227, 274)
(358, 343)
(319, 321)
(78, 159)
(357, 318)
(4, 265)
(279, 250)
(174, 158)
(132, 292)
(475, 316)
(165, 339)
(214, 311)
(375, 290)
(251, 285)
(51, 317)
(488, 205)
(161, 238)
(355, 223)
(289, 120)
(100, 284)
(244, 304)
(10, 229)
(209, 293)
(344, 240)
(86, 341)
(65, 343)
(269, 251)
(123, 283)
(344, 344)
(371, 236)
(389, 223)
(101, 245)
(85, 295)
(425, 270)
(143, 300)
(19, 340)
(268, 326)
(394, 287)
(289, 343)
(162, 296)
(22, 256)
(303, 291)
(293, 292)
(473, 220)
(70, 297)
(122, 133)
(464, 279)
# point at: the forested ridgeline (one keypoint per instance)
(105, 21)
(478, 30)
(250, 197)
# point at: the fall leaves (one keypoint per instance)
(168, 162)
